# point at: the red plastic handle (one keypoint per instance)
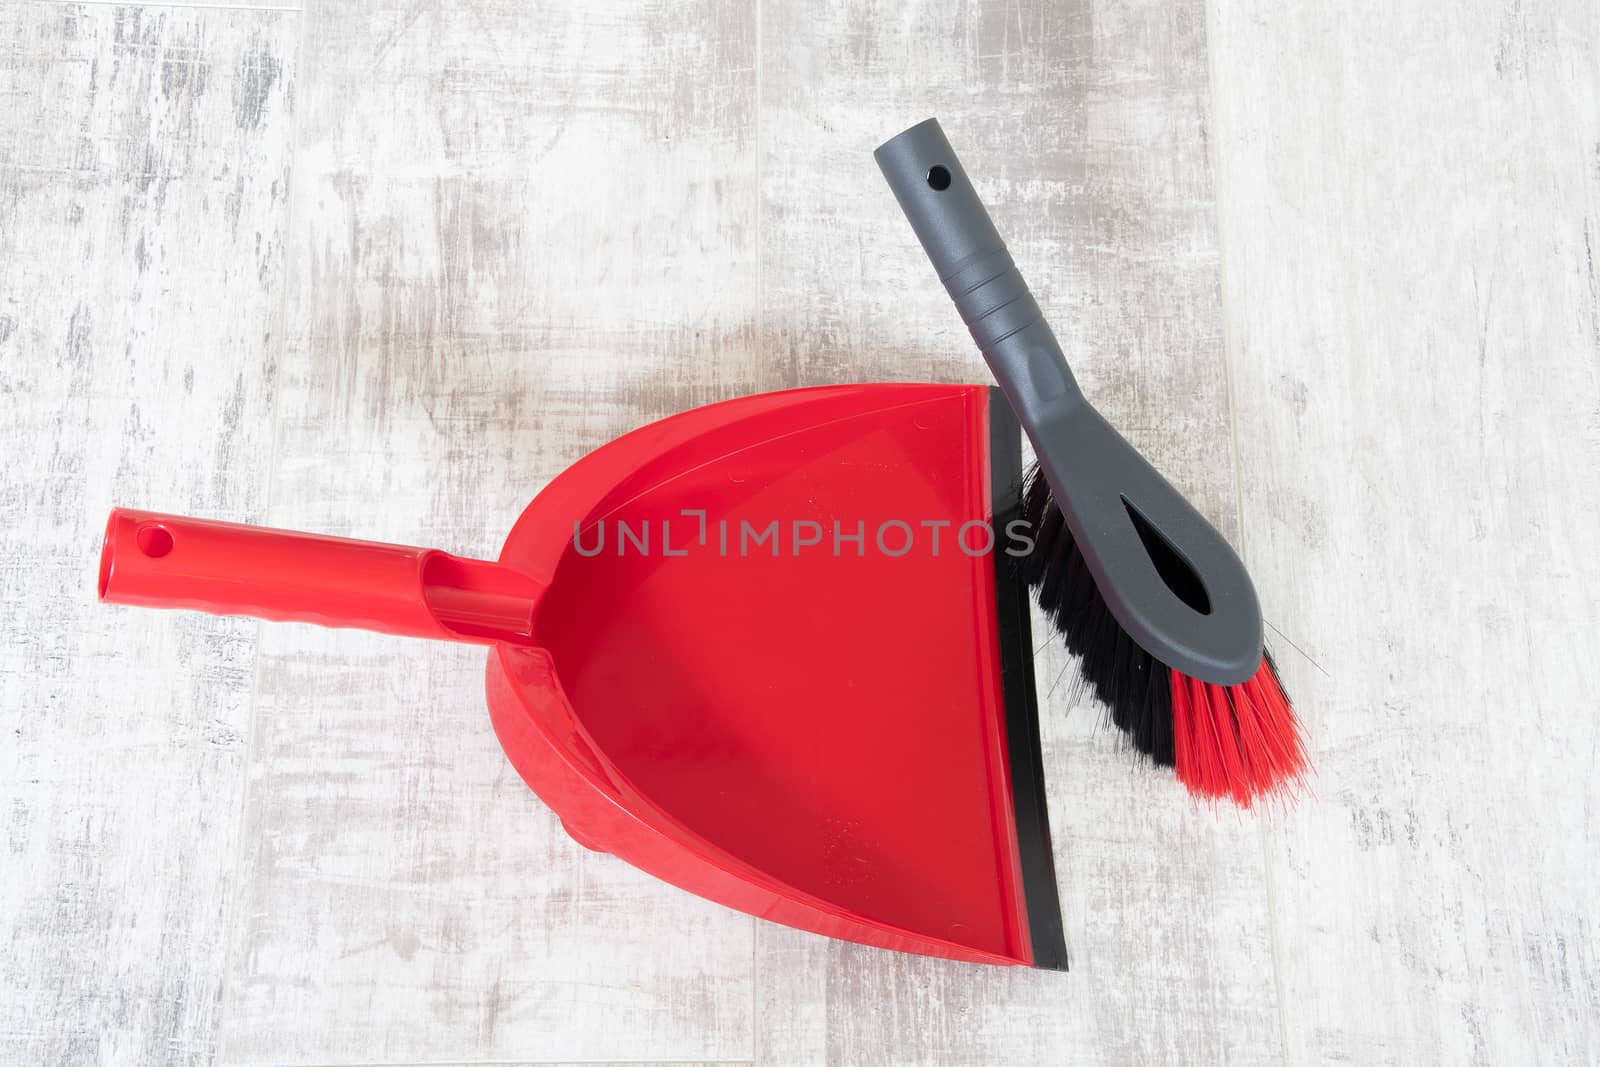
(167, 561)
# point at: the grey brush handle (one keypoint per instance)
(1099, 480)
(977, 272)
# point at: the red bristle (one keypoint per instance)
(1255, 746)
(1238, 741)
(1234, 779)
(1183, 743)
(1204, 772)
(1286, 749)
(1204, 767)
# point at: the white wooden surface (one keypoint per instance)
(385, 268)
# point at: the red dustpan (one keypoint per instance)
(772, 651)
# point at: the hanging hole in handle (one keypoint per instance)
(153, 540)
(938, 178)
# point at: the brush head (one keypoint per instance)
(1125, 566)
(1236, 741)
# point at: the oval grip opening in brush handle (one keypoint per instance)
(993, 298)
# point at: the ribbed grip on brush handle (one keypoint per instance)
(1010, 331)
(961, 241)
(992, 297)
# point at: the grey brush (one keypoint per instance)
(1169, 579)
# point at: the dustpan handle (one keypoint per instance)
(168, 561)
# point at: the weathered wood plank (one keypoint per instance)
(1084, 125)
(518, 232)
(224, 5)
(1410, 223)
(144, 156)
(600, 1063)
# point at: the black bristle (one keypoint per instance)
(1130, 681)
